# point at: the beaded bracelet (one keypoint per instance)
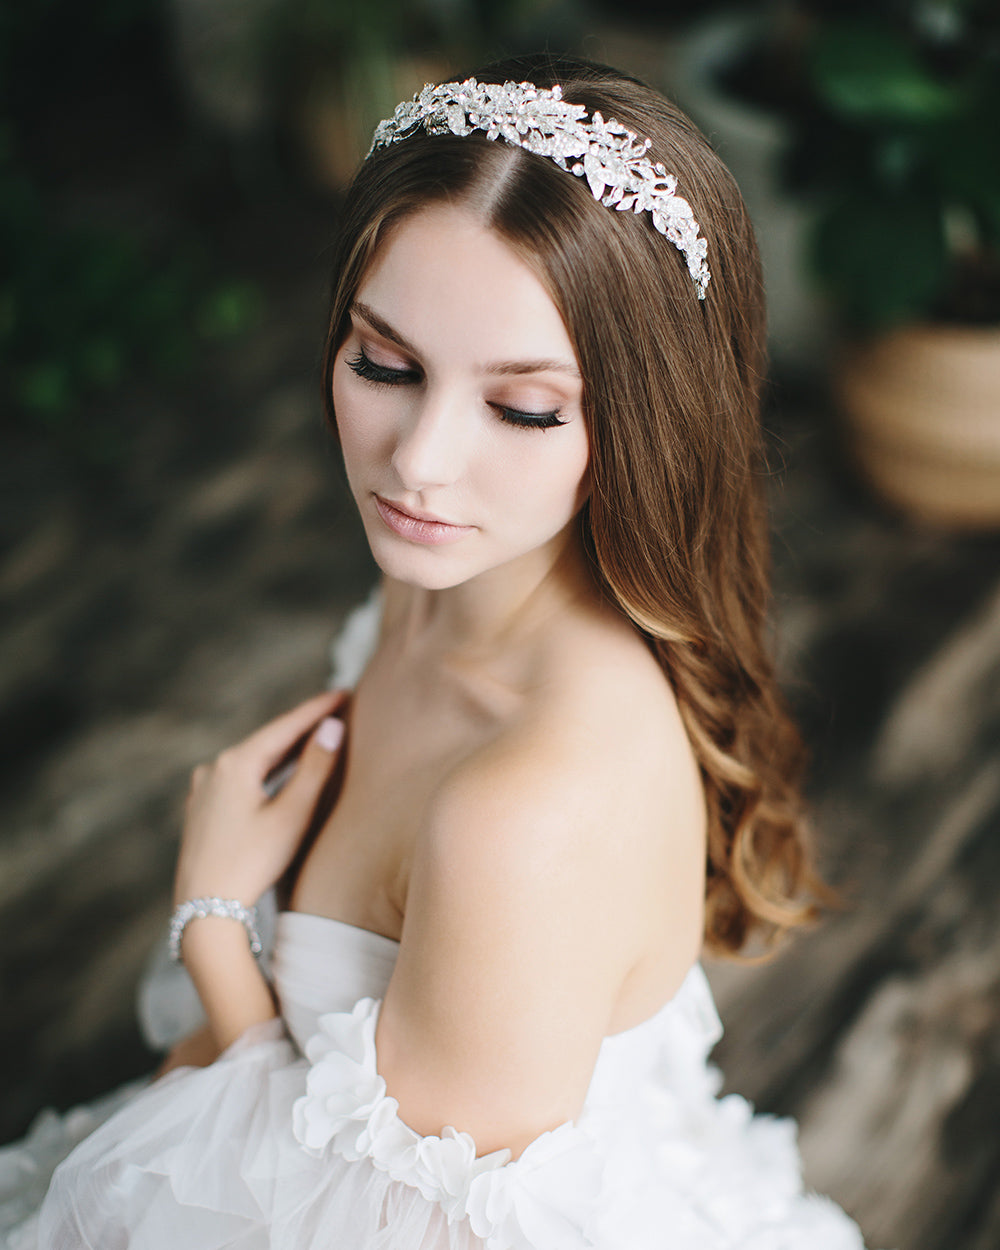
(199, 908)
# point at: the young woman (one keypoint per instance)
(566, 764)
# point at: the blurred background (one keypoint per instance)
(178, 548)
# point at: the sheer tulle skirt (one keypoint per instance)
(270, 1149)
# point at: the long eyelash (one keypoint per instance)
(530, 420)
(381, 375)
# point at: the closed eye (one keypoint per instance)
(384, 375)
(381, 375)
(528, 420)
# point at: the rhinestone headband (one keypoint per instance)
(611, 157)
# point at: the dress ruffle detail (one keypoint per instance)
(545, 1198)
(270, 1150)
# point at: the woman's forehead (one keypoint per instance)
(443, 277)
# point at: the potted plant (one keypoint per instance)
(893, 108)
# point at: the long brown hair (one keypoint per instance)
(675, 525)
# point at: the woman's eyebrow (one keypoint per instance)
(516, 367)
(534, 366)
(381, 326)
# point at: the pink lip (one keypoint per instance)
(419, 529)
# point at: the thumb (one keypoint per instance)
(315, 764)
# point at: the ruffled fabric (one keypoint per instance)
(264, 1149)
(547, 1197)
(268, 1149)
(271, 1150)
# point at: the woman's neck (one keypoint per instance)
(494, 612)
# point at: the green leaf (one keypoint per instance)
(883, 261)
(866, 71)
(229, 310)
(896, 158)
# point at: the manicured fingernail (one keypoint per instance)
(330, 733)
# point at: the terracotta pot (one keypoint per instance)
(923, 408)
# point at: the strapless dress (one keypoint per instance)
(290, 1141)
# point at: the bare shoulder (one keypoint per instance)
(591, 800)
(607, 679)
(550, 863)
(618, 738)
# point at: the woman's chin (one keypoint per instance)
(420, 568)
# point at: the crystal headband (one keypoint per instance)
(611, 157)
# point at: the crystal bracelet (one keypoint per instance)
(199, 908)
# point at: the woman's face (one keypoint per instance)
(459, 405)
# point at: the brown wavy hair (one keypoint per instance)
(675, 525)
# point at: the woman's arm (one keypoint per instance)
(231, 986)
(543, 875)
(237, 843)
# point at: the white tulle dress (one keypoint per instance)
(290, 1141)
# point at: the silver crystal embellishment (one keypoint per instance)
(609, 155)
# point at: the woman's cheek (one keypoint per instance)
(358, 415)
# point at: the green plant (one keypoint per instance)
(84, 309)
(894, 110)
(87, 305)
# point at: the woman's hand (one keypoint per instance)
(237, 841)
(197, 1050)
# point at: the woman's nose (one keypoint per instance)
(430, 450)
